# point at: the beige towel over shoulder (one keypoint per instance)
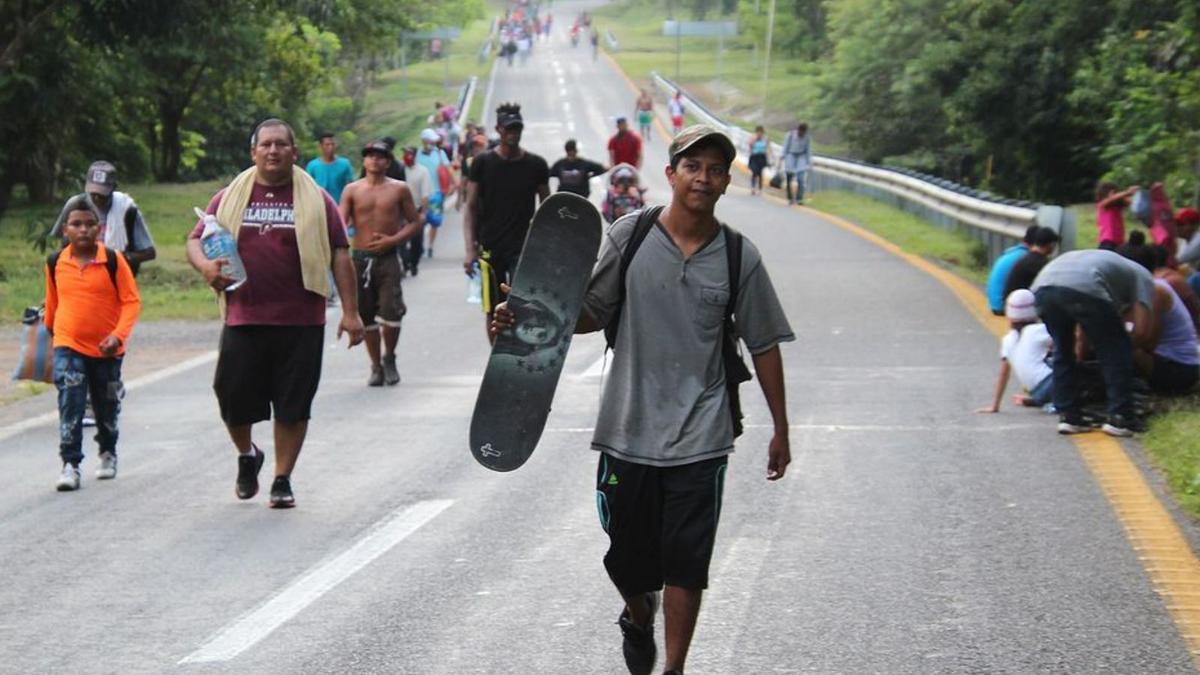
(312, 227)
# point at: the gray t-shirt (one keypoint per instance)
(141, 234)
(664, 401)
(1100, 274)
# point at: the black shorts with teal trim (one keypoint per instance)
(661, 522)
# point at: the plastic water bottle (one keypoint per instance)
(218, 242)
(475, 285)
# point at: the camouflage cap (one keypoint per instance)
(698, 132)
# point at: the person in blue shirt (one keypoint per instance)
(331, 171)
(1003, 265)
(432, 157)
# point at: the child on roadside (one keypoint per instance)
(1025, 349)
(1111, 203)
(92, 304)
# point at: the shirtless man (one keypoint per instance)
(644, 111)
(383, 215)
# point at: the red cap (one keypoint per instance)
(1187, 217)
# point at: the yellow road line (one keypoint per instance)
(1169, 561)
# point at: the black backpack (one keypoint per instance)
(735, 369)
(110, 264)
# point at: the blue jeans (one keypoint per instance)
(1062, 309)
(799, 176)
(75, 376)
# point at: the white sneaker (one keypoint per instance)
(108, 466)
(68, 480)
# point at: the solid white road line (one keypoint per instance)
(258, 624)
(132, 385)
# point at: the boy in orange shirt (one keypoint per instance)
(91, 305)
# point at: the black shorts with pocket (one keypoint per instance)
(661, 522)
(380, 293)
(265, 368)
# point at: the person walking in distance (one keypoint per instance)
(381, 212)
(675, 108)
(434, 159)
(421, 186)
(797, 160)
(574, 172)
(92, 304)
(331, 171)
(644, 110)
(760, 158)
(625, 147)
(290, 236)
(503, 189)
(122, 227)
(667, 422)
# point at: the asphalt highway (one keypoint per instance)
(910, 535)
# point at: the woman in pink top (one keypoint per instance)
(1162, 223)
(1110, 214)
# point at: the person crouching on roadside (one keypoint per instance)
(1024, 350)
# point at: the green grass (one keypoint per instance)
(1173, 442)
(954, 250)
(729, 84)
(401, 109)
(169, 287)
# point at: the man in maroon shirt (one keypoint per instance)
(271, 344)
(625, 147)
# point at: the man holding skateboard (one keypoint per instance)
(503, 188)
(665, 428)
(382, 214)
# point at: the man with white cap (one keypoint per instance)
(1024, 349)
(431, 156)
(122, 227)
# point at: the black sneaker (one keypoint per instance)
(247, 478)
(1123, 426)
(281, 493)
(638, 646)
(1073, 423)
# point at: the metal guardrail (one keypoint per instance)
(996, 222)
(612, 40)
(464, 99)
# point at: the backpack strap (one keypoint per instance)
(733, 255)
(110, 265)
(52, 266)
(646, 218)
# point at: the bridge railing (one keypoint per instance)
(996, 222)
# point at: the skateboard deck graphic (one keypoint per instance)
(547, 293)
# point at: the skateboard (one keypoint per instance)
(547, 293)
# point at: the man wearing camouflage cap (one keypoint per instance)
(667, 422)
(122, 227)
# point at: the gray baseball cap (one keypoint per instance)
(101, 178)
(698, 132)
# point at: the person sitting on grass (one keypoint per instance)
(92, 304)
(1025, 349)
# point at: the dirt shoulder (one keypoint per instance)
(154, 345)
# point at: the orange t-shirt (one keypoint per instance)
(85, 308)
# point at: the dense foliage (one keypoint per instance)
(170, 89)
(1028, 98)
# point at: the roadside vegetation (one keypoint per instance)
(1029, 100)
(336, 50)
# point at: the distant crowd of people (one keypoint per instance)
(1107, 326)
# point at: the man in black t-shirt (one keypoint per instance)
(1022, 274)
(573, 172)
(503, 189)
